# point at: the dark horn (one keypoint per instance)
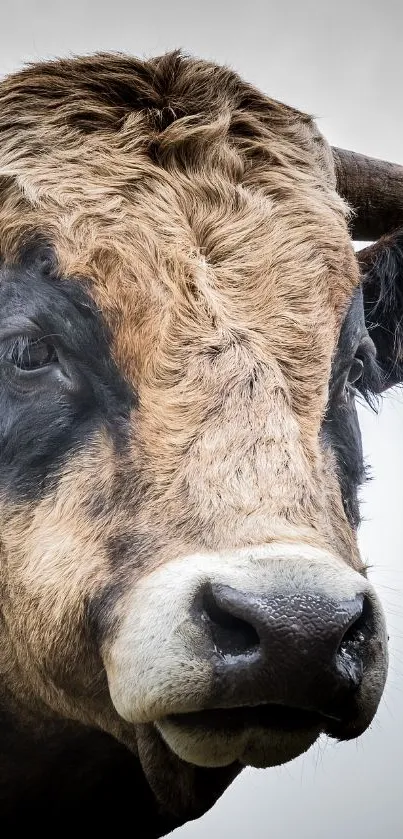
(374, 189)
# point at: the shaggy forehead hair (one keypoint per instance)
(203, 214)
(173, 145)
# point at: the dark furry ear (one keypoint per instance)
(382, 276)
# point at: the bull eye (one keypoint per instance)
(356, 370)
(29, 355)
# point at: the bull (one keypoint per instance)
(184, 329)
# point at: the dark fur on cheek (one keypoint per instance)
(340, 429)
(341, 432)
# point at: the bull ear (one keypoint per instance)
(382, 277)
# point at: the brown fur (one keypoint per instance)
(206, 219)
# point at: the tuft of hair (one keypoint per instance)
(382, 268)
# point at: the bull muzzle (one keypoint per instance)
(250, 655)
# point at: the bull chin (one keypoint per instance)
(183, 790)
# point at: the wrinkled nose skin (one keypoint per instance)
(301, 651)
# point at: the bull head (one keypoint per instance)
(183, 331)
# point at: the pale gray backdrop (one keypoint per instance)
(341, 61)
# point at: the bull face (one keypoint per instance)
(180, 453)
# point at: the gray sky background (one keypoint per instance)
(342, 62)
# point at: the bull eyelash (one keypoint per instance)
(15, 347)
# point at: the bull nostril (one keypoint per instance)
(306, 648)
(351, 651)
(231, 635)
